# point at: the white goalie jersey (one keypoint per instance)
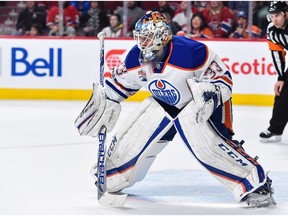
(167, 80)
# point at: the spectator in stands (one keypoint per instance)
(164, 7)
(115, 29)
(260, 15)
(36, 30)
(200, 5)
(134, 14)
(30, 15)
(242, 29)
(181, 16)
(199, 28)
(81, 6)
(96, 19)
(71, 18)
(174, 26)
(219, 19)
(45, 4)
(67, 30)
(236, 6)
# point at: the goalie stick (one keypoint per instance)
(104, 197)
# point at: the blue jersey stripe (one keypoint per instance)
(115, 89)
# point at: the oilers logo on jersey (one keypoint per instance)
(164, 91)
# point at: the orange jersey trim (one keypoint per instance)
(134, 68)
(226, 79)
(228, 120)
(168, 58)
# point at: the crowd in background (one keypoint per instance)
(207, 19)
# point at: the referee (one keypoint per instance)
(277, 36)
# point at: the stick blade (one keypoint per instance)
(112, 199)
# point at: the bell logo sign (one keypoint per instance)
(255, 67)
(39, 67)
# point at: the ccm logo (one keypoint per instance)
(232, 154)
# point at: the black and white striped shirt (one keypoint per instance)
(278, 44)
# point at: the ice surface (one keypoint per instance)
(44, 166)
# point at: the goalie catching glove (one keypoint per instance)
(98, 112)
(207, 98)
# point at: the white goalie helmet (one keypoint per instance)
(151, 33)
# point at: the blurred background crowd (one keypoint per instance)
(194, 19)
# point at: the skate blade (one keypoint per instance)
(273, 139)
(261, 204)
(260, 201)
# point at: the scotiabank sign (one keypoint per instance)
(253, 66)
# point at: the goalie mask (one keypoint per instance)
(151, 34)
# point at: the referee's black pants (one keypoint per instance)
(280, 111)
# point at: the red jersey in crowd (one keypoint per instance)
(219, 21)
(71, 16)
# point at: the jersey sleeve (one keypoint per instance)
(204, 65)
(277, 52)
(216, 72)
(121, 82)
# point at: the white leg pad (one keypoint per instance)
(145, 161)
(232, 166)
(136, 144)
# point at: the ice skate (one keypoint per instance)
(262, 197)
(266, 137)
